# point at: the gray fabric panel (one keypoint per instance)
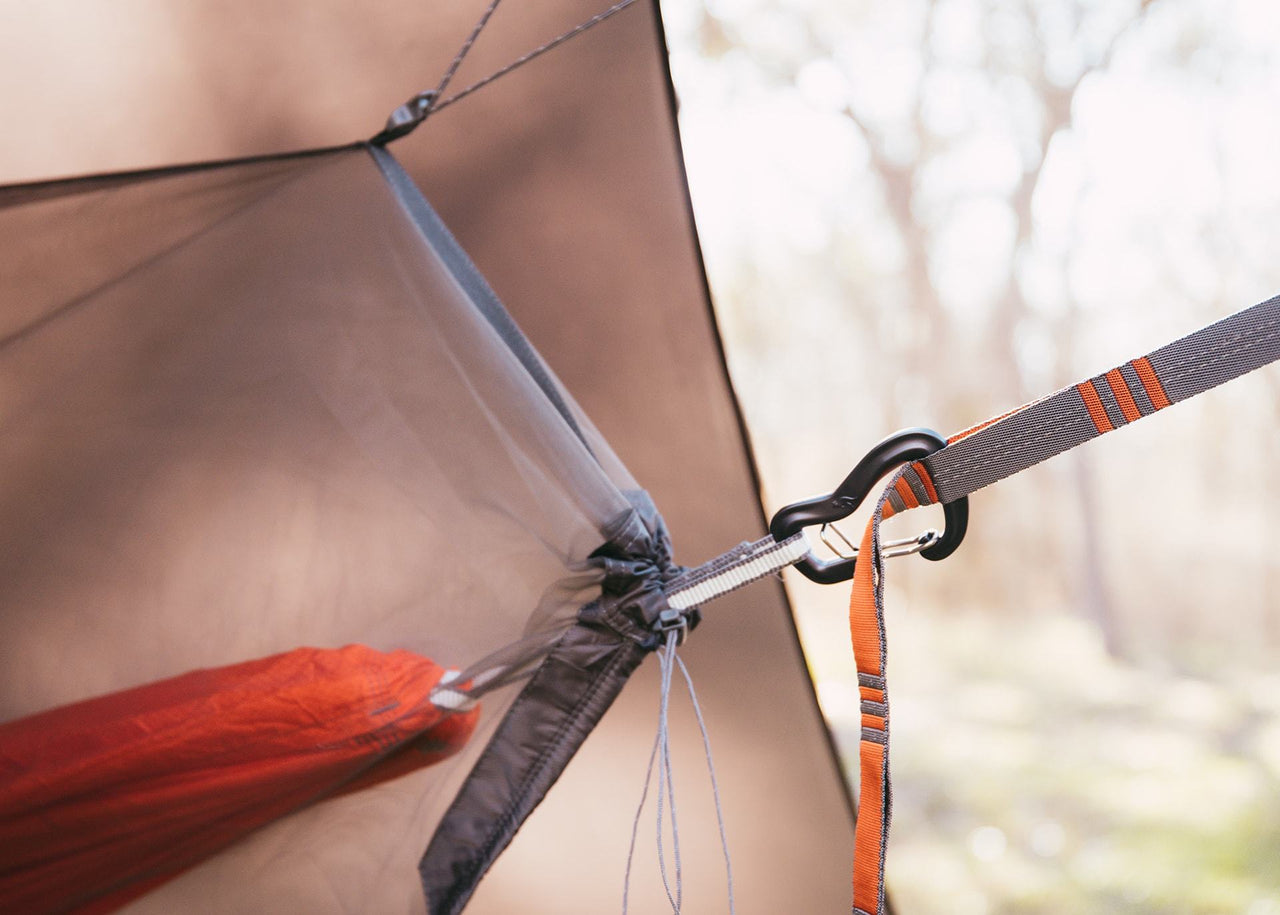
(1219, 352)
(871, 681)
(1109, 402)
(917, 487)
(875, 735)
(875, 708)
(1140, 398)
(557, 709)
(896, 501)
(1039, 432)
(553, 715)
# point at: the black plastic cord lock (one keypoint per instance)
(896, 450)
(672, 620)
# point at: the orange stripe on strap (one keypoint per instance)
(1120, 388)
(1094, 404)
(871, 693)
(887, 510)
(1155, 390)
(873, 721)
(869, 831)
(864, 620)
(908, 497)
(868, 647)
(926, 480)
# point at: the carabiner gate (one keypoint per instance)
(896, 450)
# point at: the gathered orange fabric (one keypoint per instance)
(104, 799)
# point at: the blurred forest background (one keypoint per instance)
(924, 213)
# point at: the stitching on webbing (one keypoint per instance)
(1219, 354)
(1227, 341)
(988, 455)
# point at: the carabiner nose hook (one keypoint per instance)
(896, 450)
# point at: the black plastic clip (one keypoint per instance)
(406, 118)
(896, 450)
(672, 620)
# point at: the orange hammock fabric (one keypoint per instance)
(106, 798)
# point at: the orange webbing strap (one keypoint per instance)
(866, 625)
(992, 451)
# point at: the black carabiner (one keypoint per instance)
(896, 450)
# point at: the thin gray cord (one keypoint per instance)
(665, 657)
(521, 61)
(660, 752)
(635, 826)
(462, 53)
(715, 788)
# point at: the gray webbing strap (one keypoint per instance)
(1011, 443)
(991, 452)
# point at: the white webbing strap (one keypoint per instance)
(730, 571)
